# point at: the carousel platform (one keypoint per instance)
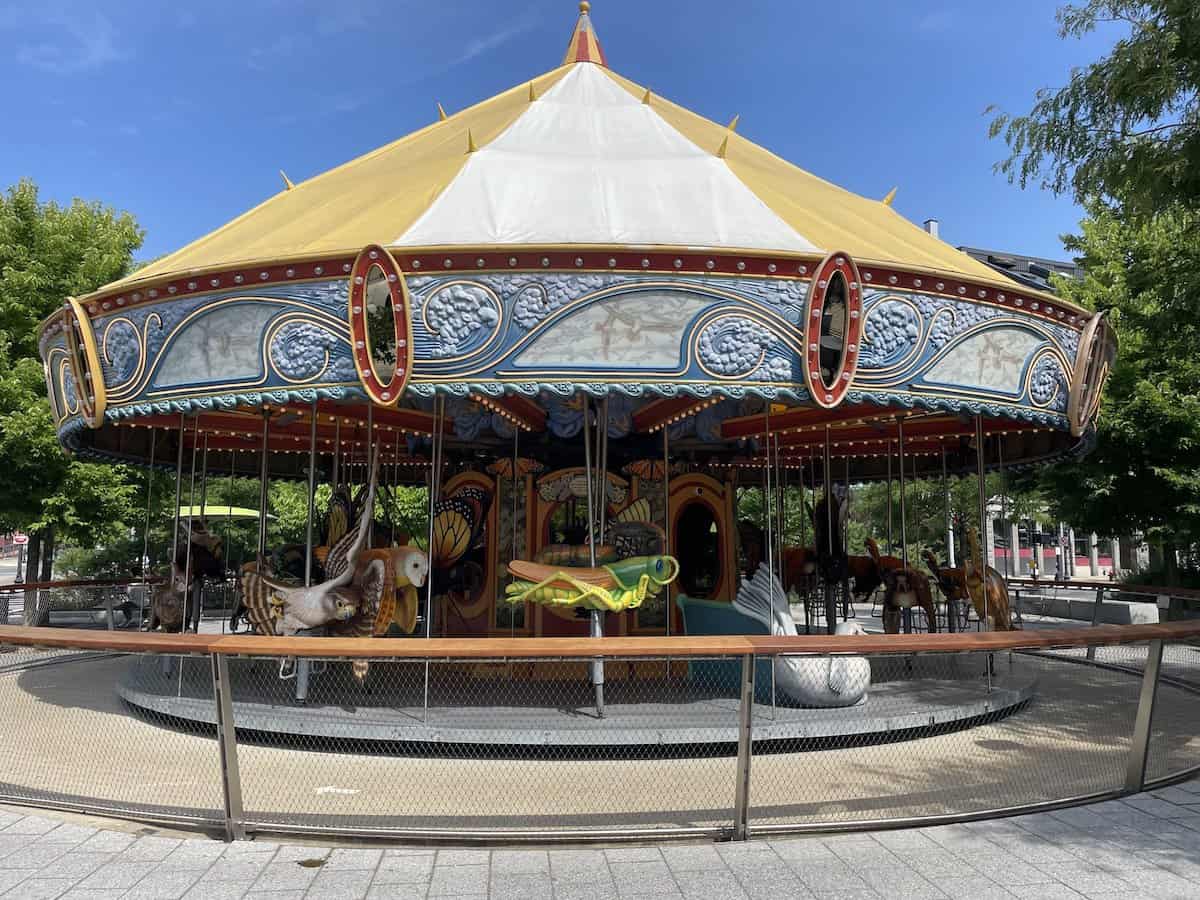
(467, 710)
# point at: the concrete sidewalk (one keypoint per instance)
(1143, 846)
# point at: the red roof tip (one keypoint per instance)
(584, 45)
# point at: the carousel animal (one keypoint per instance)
(904, 588)
(630, 533)
(276, 607)
(198, 552)
(866, 575)
(609, 588)
(167, 602)
(800, 568)
(827, 681)
(830, 543)
(951, 582)
(986, 587)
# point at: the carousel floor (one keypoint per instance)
(468, 708)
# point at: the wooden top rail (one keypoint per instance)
(543, 648)
(1113, 586)
(17, 588)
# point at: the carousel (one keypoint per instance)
(585, 318)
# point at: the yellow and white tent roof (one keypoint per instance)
(577, 157)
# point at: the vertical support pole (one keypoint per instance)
(768, 511)
(193, 597)
(337, 452)
(602, 470)
(145, 535)
(986, 624)
(303, 665)
(512, 610)
(951, 603)
(846, 545)
(983, 529)
(1139, 750)
(1004, 505)
(907, 615)
(1091, 650)
(178, 496)
(262, 486)
(435, 488)
(890, 543)
(312, 496)
(203, 520)
(830, 596)
(596, 623)
(231, 781)
(667, 522)
(741, 800)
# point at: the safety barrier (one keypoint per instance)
(499, 739)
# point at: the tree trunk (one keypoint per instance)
(33, 615)
(1170, 564)
(48, 556)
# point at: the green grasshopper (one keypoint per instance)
(610, 588)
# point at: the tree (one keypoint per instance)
(49, 252)
(1125, 129)
(1144, 473)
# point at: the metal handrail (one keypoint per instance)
(561, 647)
(21, 587)
(745, 648)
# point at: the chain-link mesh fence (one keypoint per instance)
(508, 747)
(70, 740)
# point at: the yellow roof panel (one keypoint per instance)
(367, 200)
(826, 214)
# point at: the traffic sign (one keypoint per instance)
(20, 540)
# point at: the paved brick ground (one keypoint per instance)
(1144, 846)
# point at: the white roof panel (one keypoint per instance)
(588, 164)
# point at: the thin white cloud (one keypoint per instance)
(480, 45)
(936, 22)
(285, 45)
(66, 42)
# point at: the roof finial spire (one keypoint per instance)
(584, 45)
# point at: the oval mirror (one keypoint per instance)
(379, 325)
(832, 328)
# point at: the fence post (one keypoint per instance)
(1091, 650)
(231, 781)
(741, 803)
(1139, 750)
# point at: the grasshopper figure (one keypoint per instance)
(610, 588)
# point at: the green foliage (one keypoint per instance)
(1144, 473)
(925, 511)
(48, 252)
(1127, 127)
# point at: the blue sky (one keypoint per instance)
(183, 113)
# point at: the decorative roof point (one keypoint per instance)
(724, 148)
(733, 123)
(532, 93)
(891, 195)
(646, 97)
(287, 182)
(441, 113)
(471, 146)
(584, 45)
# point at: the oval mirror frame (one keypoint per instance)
(836, 267)
(1093, 363)
(83, 358)
(381, 393)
